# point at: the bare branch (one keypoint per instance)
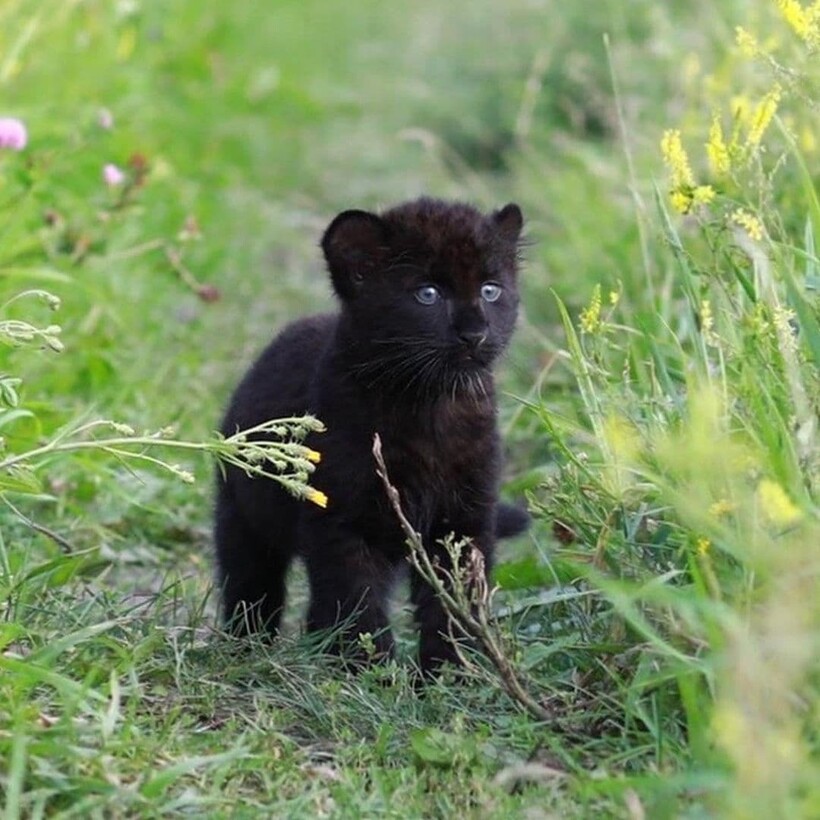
(464, 594)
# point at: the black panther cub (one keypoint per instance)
(428, 302)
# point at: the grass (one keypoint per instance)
(663, 608)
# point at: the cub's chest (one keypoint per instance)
(443, 449)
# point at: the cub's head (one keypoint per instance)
(428, 289)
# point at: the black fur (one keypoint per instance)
(419, 375)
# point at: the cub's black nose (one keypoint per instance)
(472, 338)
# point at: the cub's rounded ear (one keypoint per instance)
(354, 245)
(509, 221)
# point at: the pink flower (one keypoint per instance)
(113, 176)
(13, 134)
(105, 119)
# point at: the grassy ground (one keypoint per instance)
(664, 607)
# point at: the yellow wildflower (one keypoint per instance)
(749, 222)
(314, 456)
(614, 297)
(703, 195)
(721, 508)
(681, 201)
(762, 116)
(776, 504)
(590, 317)
(683, 193)
(676, 159)
(317, 497)
(707, 324)
(717, 150)
(804, 21)
(747, 42)
(703, 545)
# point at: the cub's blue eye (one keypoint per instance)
(490, 292)
(427, 295)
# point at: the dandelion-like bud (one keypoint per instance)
(310, 425)
(185, 475)
(317, 497)
(123, 429)
(50, 299)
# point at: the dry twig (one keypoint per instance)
(464, 593)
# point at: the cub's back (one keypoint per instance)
(279, 382)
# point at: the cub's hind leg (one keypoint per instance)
(252, 569)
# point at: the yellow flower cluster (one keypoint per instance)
(717, 151)
(684, 194)
(762, 116)
(707, 324)
(703, 545)
(754, 120)
(590, 317)
(676, 159)
(749, 222)
(747, 42)
(721, 508)
(750, 122)
(776, 504)
(803, 20)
